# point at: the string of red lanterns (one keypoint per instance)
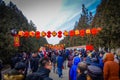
(59, 34)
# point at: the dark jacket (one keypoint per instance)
(82, 77)
(34, 63)
(41, 74)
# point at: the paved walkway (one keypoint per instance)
(54, 76)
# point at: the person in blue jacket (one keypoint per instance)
(60, 61)
(73, 70)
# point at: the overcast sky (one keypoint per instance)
(54, 14)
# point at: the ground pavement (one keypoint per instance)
(54, 76)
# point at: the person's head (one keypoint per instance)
(46, 63)
(20, 67)
(82, 67)
(94, 72)
(108, 57)
(101, 54)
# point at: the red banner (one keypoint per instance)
(16, 41)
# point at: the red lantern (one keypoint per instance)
(72, 33)
(59, 32)
(48, 34)
(94, 31)
(77, 32)
(37, 34)
(65, 33)
(26, 34)
(43, 34)
(54, 33)
(82, 33)
(88, 31)
(59, 36)
(21, 33)
(32, 33)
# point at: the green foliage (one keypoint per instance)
(12, 18)
(107, 17)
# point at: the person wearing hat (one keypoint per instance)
(81, 71)
(42, 72)
(17, 73)
(94, 73)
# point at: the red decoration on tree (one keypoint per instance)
(72, 33)
(43, 34)
(21, 33)
(88, 31)
(37, 34)
(65, 33)
(94, 31)
(26, 34)
(16, 41)
(82, 33)
(32, 33)
(48, 34)
(54, 33)
(77, 32)
(59, 34)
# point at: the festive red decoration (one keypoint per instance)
(89, 47)
(72, 33)
(26, 34)
(77, 32)
(43, 34)
(94, 31)
(49, 34)
(65, 33)
(37, 34)
(88, 31)
(59, 32)
(82, 33)
(59, 36)
(54, 33)
(16, 41)
(21, 33)
(32, 33)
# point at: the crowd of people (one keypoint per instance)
(83, 65)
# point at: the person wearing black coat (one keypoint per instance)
(81, 71)
(42, 72)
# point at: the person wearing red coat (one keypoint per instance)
(111, 68)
